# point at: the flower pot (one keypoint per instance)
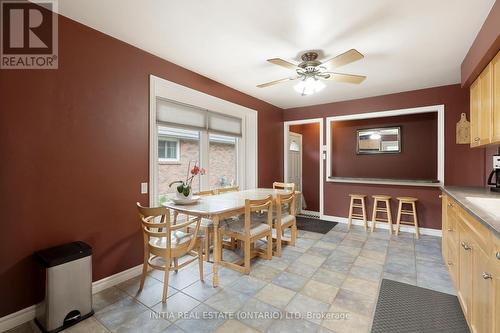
(182, 196)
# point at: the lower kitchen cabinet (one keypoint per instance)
(472, 254)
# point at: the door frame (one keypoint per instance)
(286, 129)
(300, 161)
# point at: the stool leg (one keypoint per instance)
(349, 221)
(400, 206)
(364, 213)
(417, 233)
(389, 216)
(374, 214)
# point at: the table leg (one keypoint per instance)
(217, 249)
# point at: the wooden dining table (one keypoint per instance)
(219, 207)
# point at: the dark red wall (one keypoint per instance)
(484, 48)
(417, 159)
(310, 163)
(74, 144)
(463, 165)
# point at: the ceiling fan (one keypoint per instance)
(311, 71)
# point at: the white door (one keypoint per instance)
(294, 165)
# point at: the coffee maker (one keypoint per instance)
(496, 174)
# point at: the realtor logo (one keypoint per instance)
(28, 34)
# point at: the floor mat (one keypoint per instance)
(314, 224)
(402, 307)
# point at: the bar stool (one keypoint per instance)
(413, 212)
(360, 204)
(387, 210)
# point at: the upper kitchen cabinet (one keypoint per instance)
(485, 106)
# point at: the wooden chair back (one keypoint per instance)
(284, 186)
(285, 203)
(205, 193)
(163, 229)
(261, 206)
(226, 189)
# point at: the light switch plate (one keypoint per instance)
(144, 188)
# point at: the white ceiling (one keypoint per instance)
(407, 44)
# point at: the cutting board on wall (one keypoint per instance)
(463, 130)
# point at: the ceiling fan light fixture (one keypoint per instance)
(309, 86)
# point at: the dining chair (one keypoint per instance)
(284, 186)
(233, 243)
(207, 227)
(285, 218)
(165, 241)
(248, 229)
(226, 189)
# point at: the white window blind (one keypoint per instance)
(169, 113)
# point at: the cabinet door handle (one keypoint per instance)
(477, 139)
(450, 230)
(497, 255)
(465, 246)
(450, 263)
(487, 276)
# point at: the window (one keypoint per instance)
(168, 149)
(223, 160)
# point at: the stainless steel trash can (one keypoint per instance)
(68, 286)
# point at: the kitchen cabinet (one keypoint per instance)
(472, 254)
(485, 106)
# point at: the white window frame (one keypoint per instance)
(439, 109)
(178, 150)
(247, 151)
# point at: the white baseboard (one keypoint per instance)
(403, 228)
(20, 317)
(309, 212)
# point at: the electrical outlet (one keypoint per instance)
(144, 188)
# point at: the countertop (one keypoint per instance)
(459, 194)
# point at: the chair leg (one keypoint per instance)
(293, 236)
(374, 215)
(279, 234)
(176, 264)
(247, 249)
(165, 281)
(389, 216)
(364, 214)
(200, 259)
(398, 221)
(144, 270)
(415, 220)
(269, 247)
(349, 220)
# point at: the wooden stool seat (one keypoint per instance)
(411, 201)
(357, 201)
(386, 209)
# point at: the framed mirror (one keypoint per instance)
(385, 140)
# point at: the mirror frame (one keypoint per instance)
(378, 152)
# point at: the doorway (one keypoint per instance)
(303, 163)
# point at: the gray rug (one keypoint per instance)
(405, 308)
(314, 224)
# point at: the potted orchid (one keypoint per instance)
(184, 189)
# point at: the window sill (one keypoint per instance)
(385, 181)
(169, 162)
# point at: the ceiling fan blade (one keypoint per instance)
(347, 78)
(267, 84)
(344, 58)
(282, 63)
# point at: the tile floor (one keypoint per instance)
(338, 274)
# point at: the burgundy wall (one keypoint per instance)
(310, 163)
(76, 142)
(412, 162)
(463, 165)
(484, 48)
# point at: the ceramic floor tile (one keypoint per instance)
(247, 285)
(202, 319)
(117, 314)
(175, 305)
(201, 290)
(292, 326)
(347, 321)
(107, 297)
(258, 314)
(227, 300)
(320, 291)
(367, 273)
(264, 272)
(311, 260)
(233, 326)
(358, 302)
(289, 280)
(144, 323)
(311, 309)
(275, 295)
(301, 269)
(356, 284)
(329, 277)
